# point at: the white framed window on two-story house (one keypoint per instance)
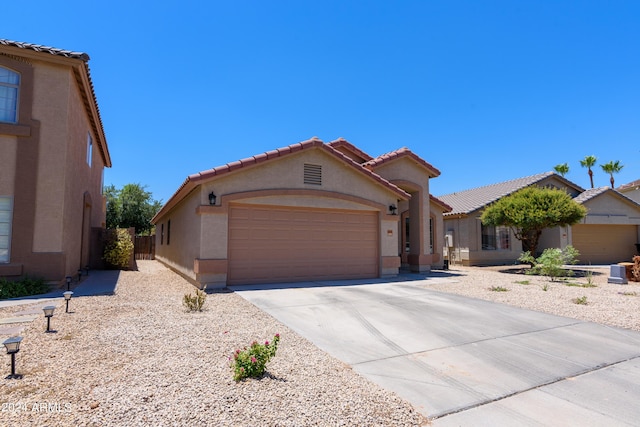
(495, 238)
(89, 149)
(6, 211)
(9, 85)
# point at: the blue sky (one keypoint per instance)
(485, 91)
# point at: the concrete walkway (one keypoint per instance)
(99, 282)
(463, 361)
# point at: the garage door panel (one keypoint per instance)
(271, 244)
(604, 244)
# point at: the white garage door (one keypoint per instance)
(604, 244)
(284, 244)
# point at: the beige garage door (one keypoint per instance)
(604, 244)
(277, 244)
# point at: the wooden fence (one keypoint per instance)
(145, 247)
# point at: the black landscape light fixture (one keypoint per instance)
(393, 209)
(67, 297)
(13, 346)
(212, 198)
(79, 274)
(68, 283)
(86, 270)
(48, 313)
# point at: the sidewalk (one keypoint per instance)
(98, 282)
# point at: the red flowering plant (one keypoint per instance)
(251, 362)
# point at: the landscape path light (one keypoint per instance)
(13, 346)
(68, 283)
(67, 297)
(48, 313)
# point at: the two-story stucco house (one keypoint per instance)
(52, 155)
(308, 211)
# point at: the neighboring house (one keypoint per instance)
(631, 190)
(52, 155)
(309, 211)
(606, 235)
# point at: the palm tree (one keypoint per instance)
(588, 162)
(611, 168)
(562, 169)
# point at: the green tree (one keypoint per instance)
(530, 210)
(588, 162)
(611, 168)
(132, 206)
(562, 169)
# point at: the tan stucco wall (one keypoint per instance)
(609, 209)
(185, 240)
(633, 194)
(467, 239)
(287, 173)
(8, 146)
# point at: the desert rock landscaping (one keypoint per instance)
(140, 357)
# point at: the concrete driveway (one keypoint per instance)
(463, 361)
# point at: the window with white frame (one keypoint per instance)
(9, 84)
(5, 228)
(495, 238)
(89, 149)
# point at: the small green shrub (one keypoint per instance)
(251, 362)
(22, 288)
(581, 300)
(498, 289)
(545, 287)
(551, 261)
(194, 302)
(523, 282)
(118, 248)
(629, 294)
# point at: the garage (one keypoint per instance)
(270, 244)
(604, 244)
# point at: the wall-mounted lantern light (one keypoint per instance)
(48, 313)
(212, 198)
(13, 346)
(67, 297)
(393, 209)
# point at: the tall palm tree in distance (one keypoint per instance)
(562, 169)
(611, 168)
(589, 162)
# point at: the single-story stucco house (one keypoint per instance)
(606, 235)
(308, 211)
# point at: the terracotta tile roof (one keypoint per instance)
(343, 143)
(47, 49)
(630, 186)
(87, 89)
(400, 153)
(467, 201)
(194, 180)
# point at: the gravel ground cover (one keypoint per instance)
(606, 303)
(138, 358)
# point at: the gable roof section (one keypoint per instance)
(82, 75)
(465, 202)
(592, 193)
(633, 185)
(197, 179)
(403, 152)
(345, 147)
